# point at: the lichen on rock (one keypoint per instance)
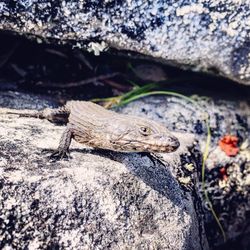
(204, 35)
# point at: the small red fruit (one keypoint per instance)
(229, 144)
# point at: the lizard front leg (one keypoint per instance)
(63, 148)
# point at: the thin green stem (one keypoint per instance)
(133, 98)
(204, 158)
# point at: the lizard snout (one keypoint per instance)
(173, 142)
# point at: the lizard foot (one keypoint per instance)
(46, 151)
(59, 155)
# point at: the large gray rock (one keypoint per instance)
(227, 177)
(206, 35)
(102, 199)
(97, 200)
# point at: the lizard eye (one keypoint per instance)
(145, 130)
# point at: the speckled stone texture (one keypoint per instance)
(207, 35)
(102, 199)
(97, 200)
(229, 192)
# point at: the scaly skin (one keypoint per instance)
(92, 125)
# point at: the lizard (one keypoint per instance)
(97, 127)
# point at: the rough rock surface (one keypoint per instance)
(209, 35)
(102, 199)
(97, 200)
(229, 191)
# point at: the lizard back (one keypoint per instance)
(98, 127)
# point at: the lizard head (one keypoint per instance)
(142, 135)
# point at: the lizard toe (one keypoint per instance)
(59, 155)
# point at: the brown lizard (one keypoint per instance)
(95, 126)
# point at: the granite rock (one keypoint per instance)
(96, 200)
(206, 35)
(103, 199)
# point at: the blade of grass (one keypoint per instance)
(203, 181)
(135, 97)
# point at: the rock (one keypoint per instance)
(97, 200)
(211, 36)
(226, 177)
(102, 199)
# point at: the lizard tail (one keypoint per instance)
(22, 113)
(58, 116)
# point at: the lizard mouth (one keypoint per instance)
(145, 146)
(161, 149)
